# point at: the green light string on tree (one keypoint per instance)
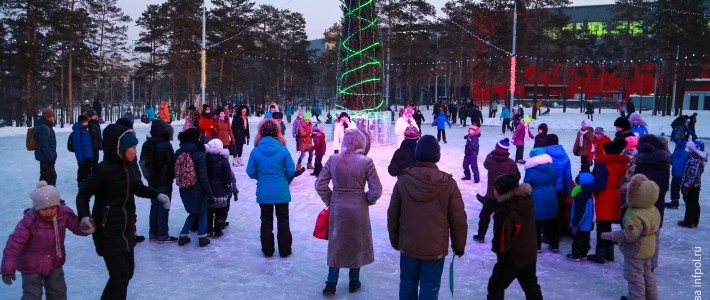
(360, 82)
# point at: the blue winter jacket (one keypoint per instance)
(46, 140)
(678, 161)
(639, 130)
(505, 113)
(150, 113)
(271, 165)
(81, 140)
(195, 198)
(441, 121)
(582, 211)
(289, 110)
(540, 174)
(563, 168)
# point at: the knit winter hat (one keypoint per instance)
(598, 130)
(473, 126)
(586, 123)
(411, 133)
(124, 122)
(527, 120)
(409, 110)
(47, 113)
(269, 129)
(82, 119)
(552, 139)
(316, 128)
(127, 140)
(205, 106)
(503, 144)
(191, 134)
(428, 149)
(307, 116)
(506, 183)
(614, 147)
(622, 123)
(631, 142)
(44, 196)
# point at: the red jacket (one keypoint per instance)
(206, 125)
(319, 143)
(609, 170)
(598, 146)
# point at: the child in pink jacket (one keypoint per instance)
(36, 247)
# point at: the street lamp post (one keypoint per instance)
(512, 56)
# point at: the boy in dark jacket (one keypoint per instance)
(319, 148)
(404, 156)
(514, 239)
(691, 181)
(470, 159)
(497, 163)
(425, 209)
(113, 184)
(582, 218)
(46, 152)
(158, 166)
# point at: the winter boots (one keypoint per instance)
(218, 226)
(204, 241)
(298, 168)
(183, 240)
(329, 289)
(673, 204)
(310, 167)
(603, 254)
(354, 286)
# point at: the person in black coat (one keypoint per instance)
(157, 155)
(463, 114)
(541, 135)
(240, 129)
(403, 157)
(196, 197)
(419, 118)
(623, 130)
(476, 117)
(630, 108)
(95, 133)
(219, 175)
(113, 184)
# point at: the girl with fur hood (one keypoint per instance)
(219, 175)
(637, 239)
(36, 247)
(349, 231)
(692, 174)
(638, 124)
(541, 176)
(271, 165)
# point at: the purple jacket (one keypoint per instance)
(519, 134)
(32, 247)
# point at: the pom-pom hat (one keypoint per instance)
(44, 196)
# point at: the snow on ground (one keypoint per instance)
(233, 266)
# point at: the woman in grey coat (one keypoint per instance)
(349, 231)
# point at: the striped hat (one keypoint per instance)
(503, 144)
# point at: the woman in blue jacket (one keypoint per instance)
(81, 145)
(540, 174)
(271, 165)
(563, 186)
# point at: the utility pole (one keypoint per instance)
(512, 56)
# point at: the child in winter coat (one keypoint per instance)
(318, 148)
(522, 132)
(582, 218)
(81, 142)
(691, 181)
(540, 137)
(440, 122)
(403, 157)
(470, 159)
(36, 247)
(598, 143)
(514, 239)
(678, 161)
(305, 141)
(542, 177)
(637, 238)
(583, 142)
(638, 124)
(219, 174)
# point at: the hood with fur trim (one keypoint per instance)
(279, 135)
(641, 192)
(524, 190)
(538, 160)
(355, 141)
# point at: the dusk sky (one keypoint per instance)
(319, 14)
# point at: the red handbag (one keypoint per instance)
(321, 229)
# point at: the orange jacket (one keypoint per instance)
(164, 112)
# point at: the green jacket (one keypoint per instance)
(637, 238)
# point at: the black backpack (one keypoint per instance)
(70, 142)
(147, 159)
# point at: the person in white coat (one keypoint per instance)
(341, 124)
(403, 122)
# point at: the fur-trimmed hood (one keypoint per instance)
(652, 150)
(538, 160)
(641, 192)
(637, 116)
(279, 136)
(512, 199)
(355, 141)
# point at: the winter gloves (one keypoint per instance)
(8, 279)
(165, 200)
(86, 225)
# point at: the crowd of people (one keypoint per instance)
(624, 179)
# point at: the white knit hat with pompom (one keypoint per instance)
(44, 196)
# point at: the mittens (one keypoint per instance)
(165, 200)
(8, 279)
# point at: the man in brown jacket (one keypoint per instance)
(426, 205)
